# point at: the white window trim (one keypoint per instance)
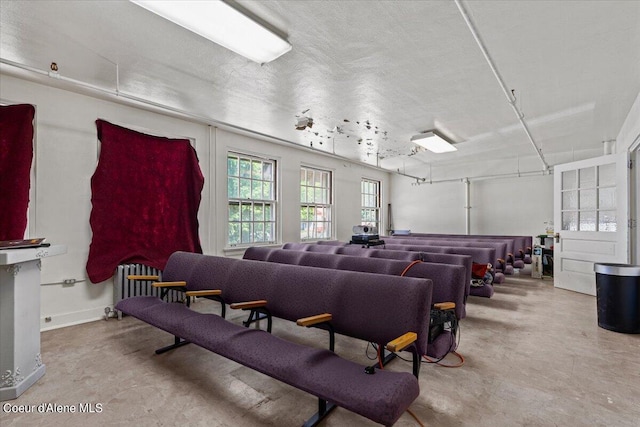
(331, 205)
(380, 212)
(236, 249)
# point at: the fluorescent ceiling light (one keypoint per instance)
(433, 142)
(222, 24)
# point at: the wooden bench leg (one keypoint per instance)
(324, 408)
(177, 342)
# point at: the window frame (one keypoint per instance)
(377, 208)
(576, 213)
(240, 202)
(329, 205)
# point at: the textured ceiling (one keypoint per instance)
(370, 73)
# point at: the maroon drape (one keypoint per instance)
(145, 194)
(16, 153)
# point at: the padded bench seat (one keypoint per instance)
(382, 397)
(361, 305)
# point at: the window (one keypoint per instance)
(589, 199)
(315, 200)
(370, 212)
(252, 199)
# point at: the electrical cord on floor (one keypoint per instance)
(458, 355)
(454, 337)
(428, 360)
(415, 417)
(366, 351)
(437, 362)
(378, 355)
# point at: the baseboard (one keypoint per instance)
(69, 319)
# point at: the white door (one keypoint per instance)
(590, 219)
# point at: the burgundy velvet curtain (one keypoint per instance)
(16, 153)
(145, 193)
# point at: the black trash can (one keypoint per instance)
(618, 297)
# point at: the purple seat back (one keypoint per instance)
(378, 253)
(449, 281)
(453, 259)
(438, 254)
(330, 242)
(500, 249)
(365, 306)
(479, 255)
(312, 247)
(503, 246)
(521, 243)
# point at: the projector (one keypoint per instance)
(364, 229)
(365, 234)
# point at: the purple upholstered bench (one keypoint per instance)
(438, 258)
(448, 280)
(360, 305)
(521, 246)
(479, 255)
(435, 254)
(500, 246)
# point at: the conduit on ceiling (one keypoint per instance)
(510, 98)
(422, 181)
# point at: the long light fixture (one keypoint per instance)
(224, 25)
(433, 141)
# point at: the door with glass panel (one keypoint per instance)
(590, 219)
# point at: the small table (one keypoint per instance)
(369, 244)
(20, 361)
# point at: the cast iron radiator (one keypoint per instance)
(124, 288)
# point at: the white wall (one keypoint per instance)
(66, 150)
(630, 130)
(347, 177)
(429, 208)
(512, 206)
(518, 206)
(629, 140)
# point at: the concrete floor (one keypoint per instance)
(534, 357)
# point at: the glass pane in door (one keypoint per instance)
(588, 221)
(569, 181)
(607, 221)
(570, 221)
(587, 177)
(607, 175)
(569, 200)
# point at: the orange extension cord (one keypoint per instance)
(437, 362)
(415, 417)
(409, 266)
(461, 357)
(408, 410)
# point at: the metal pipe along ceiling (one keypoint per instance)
(176, 112)
(467, 206)
(510, 98)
